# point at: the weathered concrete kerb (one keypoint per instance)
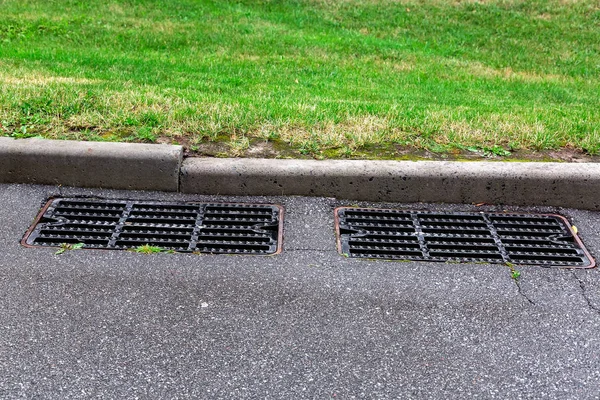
(162, 167)
(523, 183)
(90, 164)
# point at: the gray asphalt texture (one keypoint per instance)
(307, 323)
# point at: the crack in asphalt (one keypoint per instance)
(585, 296)
(522, 293)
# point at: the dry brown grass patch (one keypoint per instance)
(34, 79)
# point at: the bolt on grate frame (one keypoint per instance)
(218, 228)
(519, 239)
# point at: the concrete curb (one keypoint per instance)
(161, 167)
(90, 164)
(522, 183)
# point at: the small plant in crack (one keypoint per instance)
(514, 273)
(69, 246)
(148, 249)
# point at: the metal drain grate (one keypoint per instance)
(520, 239)
(185, 227)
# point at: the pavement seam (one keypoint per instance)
(584, 294)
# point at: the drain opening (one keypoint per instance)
(519, 239)
(185, 227)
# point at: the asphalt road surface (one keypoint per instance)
(307, 323)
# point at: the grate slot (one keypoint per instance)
(232, 248)
(475, 237)
(454, 241)
(239, 212)
(390, 241)
(47, 240)
(538, 248)
(529, 232)
(129, 235)
(89, 219)
(445, 231)
(384, 227)
(167, 220)
(367, 213)
(392, 251)
(460, 247)
(161, 242)
(164, 207)
(234, 239)
(536, 240)
(513, 225)
(158, 230)
(83, 231)
(523, 219)
(245, 221)
(213, 228)
(542, 258)
(451, 225)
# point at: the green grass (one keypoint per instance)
(324, 77)
(148, 249)
(69, 246)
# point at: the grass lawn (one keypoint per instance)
(322, 78)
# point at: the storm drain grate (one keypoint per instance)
(184, 227)
(519, 239)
